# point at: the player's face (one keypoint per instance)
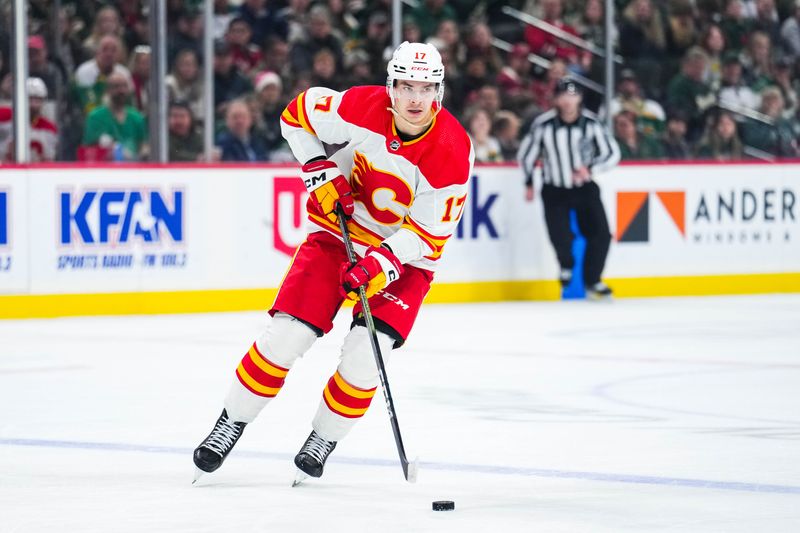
(414, 100)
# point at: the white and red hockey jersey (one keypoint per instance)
(43, 137)
(408, 194)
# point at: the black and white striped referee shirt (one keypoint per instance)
(566, 147)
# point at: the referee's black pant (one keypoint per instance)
(592, 222)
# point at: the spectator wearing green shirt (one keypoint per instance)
(687, 91)
(650, 116)
(117, 124)
(757, 62)
(633, 144)
(185, 143)
(735, 25)
(91, 77)
(778, 138)
(430, 13)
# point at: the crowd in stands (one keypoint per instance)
(697, 79)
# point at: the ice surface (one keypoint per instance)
(639, 415)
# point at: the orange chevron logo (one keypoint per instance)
(633, 213)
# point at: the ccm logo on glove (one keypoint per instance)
(327, 187)
(315, 181)
(376, 270)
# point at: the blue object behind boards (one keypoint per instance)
(575, 290)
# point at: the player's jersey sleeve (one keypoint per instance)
(311, 119)
(435, 213)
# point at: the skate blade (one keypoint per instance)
(299, 478)
(197, 475)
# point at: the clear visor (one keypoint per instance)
(416, 94)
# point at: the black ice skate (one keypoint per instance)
(210, 454)
(598, 291)
(311, 458)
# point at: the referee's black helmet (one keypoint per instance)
(569, 86)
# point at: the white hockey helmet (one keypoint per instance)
(416, 62)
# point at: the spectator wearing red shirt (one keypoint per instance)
(136, 30)
(546, 44)
(245, 54)
(514, 79)
(140, 76)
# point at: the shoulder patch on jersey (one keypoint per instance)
(365, 106)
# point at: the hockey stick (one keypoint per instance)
(409, 468)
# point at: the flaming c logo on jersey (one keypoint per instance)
(368, 181)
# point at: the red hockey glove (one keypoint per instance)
(327, 187)
(379, 268)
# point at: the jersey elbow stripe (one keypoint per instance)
(409, 223)
(346, 400)
(259, 375)
(436, 244)
(287, 118)
(290, 113)
(302, 116)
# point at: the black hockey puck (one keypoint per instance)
(444, 505)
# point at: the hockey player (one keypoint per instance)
(408, 162)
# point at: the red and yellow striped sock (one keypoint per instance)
(259, 375)
(345, 399)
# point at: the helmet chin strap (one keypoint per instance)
(413, 126)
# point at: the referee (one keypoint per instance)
(573, 145)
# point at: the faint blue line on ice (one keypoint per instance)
(602, 390)
(446, 467)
